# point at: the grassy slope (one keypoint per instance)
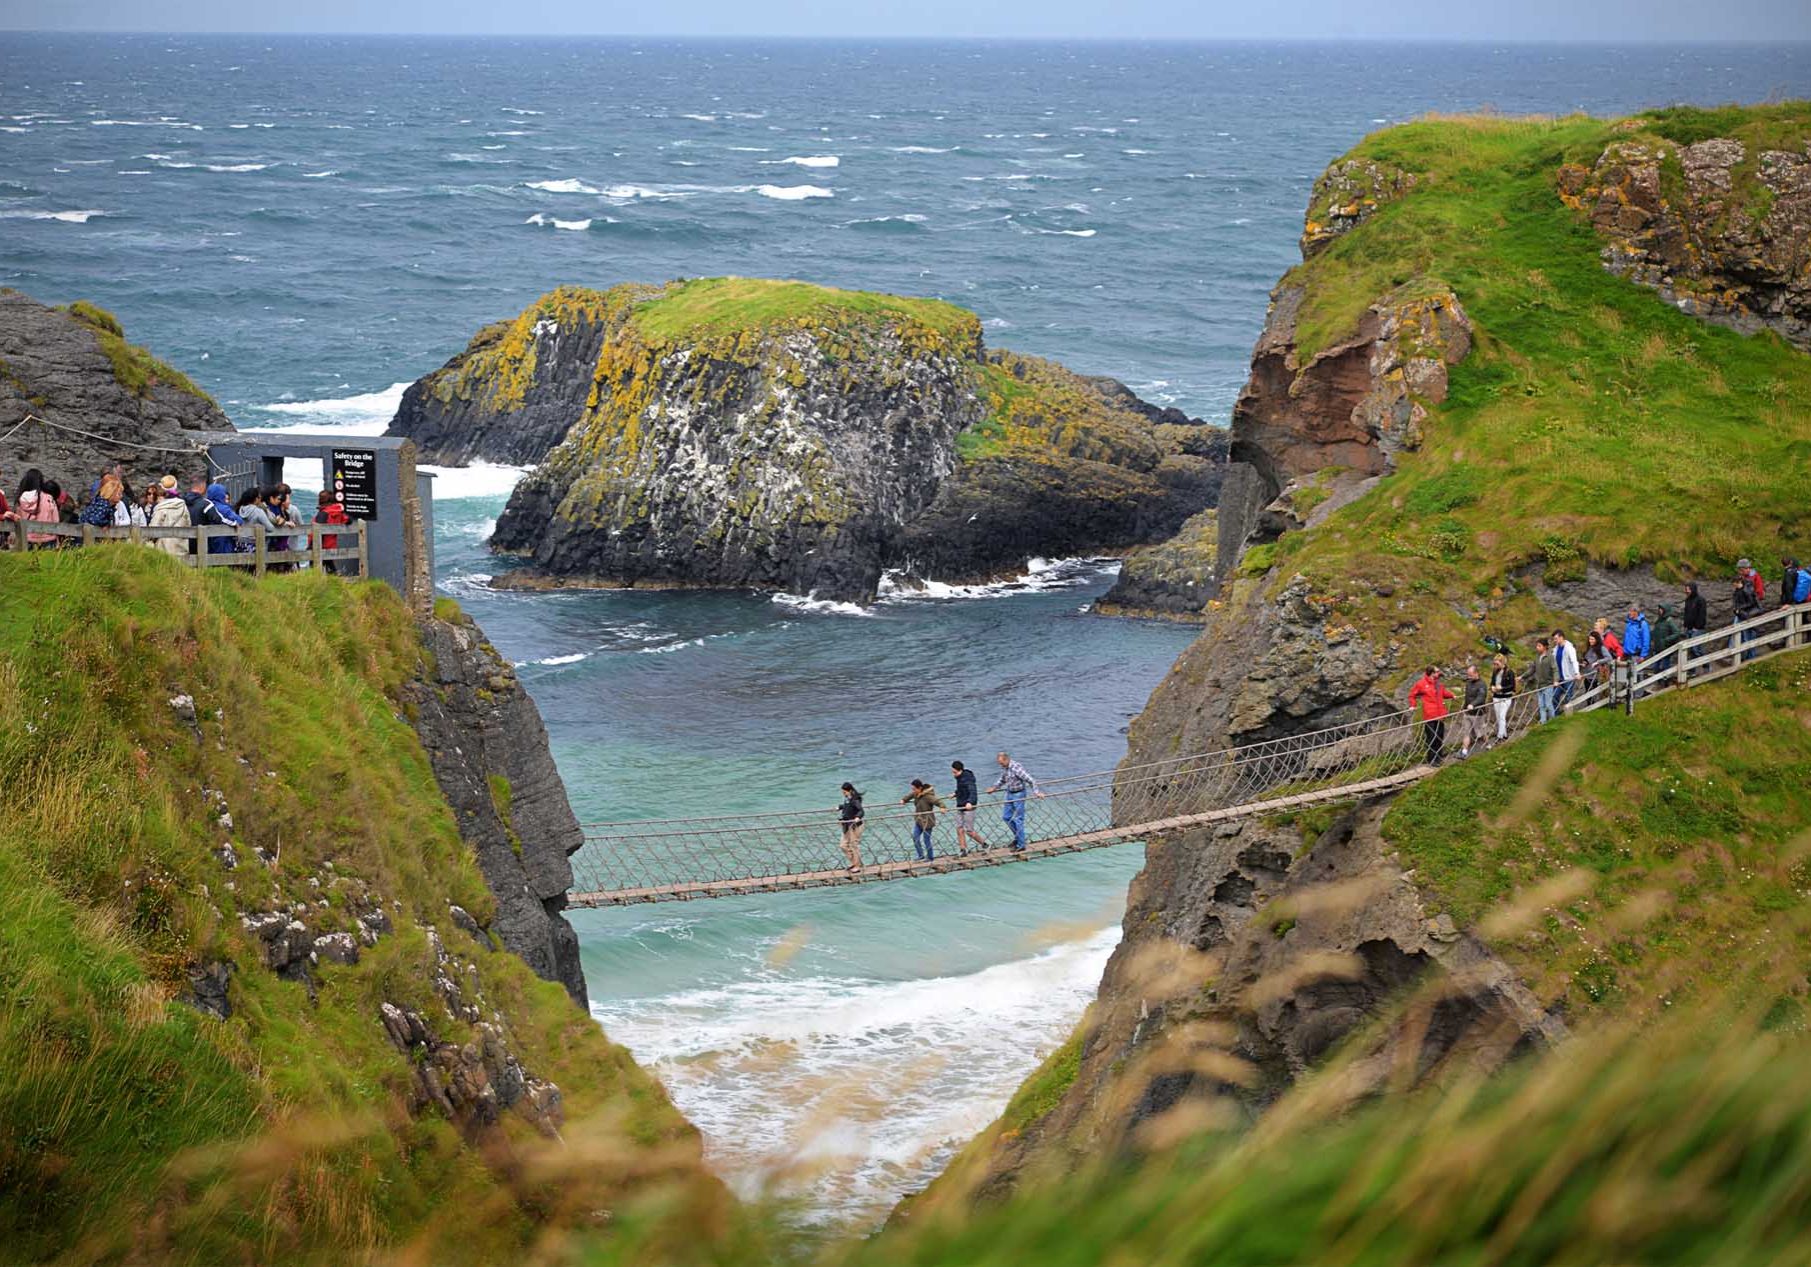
(127, 1118)
(1591, 421)
(135, 368)
(1668, 837)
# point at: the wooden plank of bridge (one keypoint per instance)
(750, 885)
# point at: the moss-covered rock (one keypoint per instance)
(1174, 579)
(773, 434)
(74, 369)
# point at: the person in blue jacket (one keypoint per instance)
(1637, 635)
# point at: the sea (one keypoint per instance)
(305, 225)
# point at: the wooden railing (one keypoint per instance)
(255, 547)
(1700, 658)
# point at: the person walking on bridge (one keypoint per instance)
(1744, 604)
(1471, 725)
(966, 796)
(1544, 678)
(1565, 671)
(853, 820)
(925, 804)
(1431, 695)
(1015, 782)
(1637, 634)
(1502, 694)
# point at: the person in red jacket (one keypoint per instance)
(1611, 642)
(331, 512)
(1431, 696)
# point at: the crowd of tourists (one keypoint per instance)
(111, 502)
(1013, 780)
(1561, 669)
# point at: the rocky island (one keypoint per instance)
(732, 432)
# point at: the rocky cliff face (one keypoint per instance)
(73, 368)
(739, 433)
(511, 395)
(1721, 226)
(489, 750)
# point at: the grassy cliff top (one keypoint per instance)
(1592, 420)
(137, 1127)
(690, 311)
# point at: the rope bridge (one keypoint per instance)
(625, 863)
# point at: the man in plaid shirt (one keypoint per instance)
(1015, 782)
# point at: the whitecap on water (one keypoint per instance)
(820, 606)
(488, 480)
(577, 226)
(809, 160)
(1039, 576)
(67, 217)
(363, 414)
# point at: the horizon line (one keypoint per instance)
(897, 38)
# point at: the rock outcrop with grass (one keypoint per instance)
(1459, 427)
(257, 1000)
(74, 368)
(741, 433)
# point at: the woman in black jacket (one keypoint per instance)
(854, 820)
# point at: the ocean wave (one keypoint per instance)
(217, 167)
(144, 123)
(904, 223)
(1040, 576)
(364, 414)
(819, 606)
(516, 110)
(477, 480)
(67, 217)
(553, 661)
(701, 118)
(794, 193)
(666, 647)
(924, 149)
(568, 186)
(749, 1061)
(749, 149)
(812, 160)
(577, 226)
(1069, 233)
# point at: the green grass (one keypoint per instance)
(692, 310)
(1693, 803)
(130, 1122)
(1590, 413)
(1043, 1091)
(134, 368)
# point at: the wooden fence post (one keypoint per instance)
(19, 542)
(135, 535)
(258, 549)
(364, 553)
(87, 534)
(314, 546)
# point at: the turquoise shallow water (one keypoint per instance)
(306, 224)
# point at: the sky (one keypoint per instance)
(1614, 21)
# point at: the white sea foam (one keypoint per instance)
(819, 606)
(514, 110)
(810, 160)
(1040, 575)
(749, 149)
(924, 149)
(555, 660)
(941, 1057)
(218, 167)
(701, 118)
(365, 414)
(666, 647)
(1070, 233)
(478, 480)
(577, 226)
(568, 186)
(320, 175)
(794, 193)
(144, 123)
(908, 218)
(67, 217)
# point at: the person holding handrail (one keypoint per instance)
(853, 819)
(1544, 677)
(1565, 671)
(925, 803)
(1502, 693)
(1015, 782)
(1744, 604)
(1431, 695)
(966, 796)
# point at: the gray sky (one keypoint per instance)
(1608, 20)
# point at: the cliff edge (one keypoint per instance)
(1466, 424)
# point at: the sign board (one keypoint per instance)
(355, 482)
